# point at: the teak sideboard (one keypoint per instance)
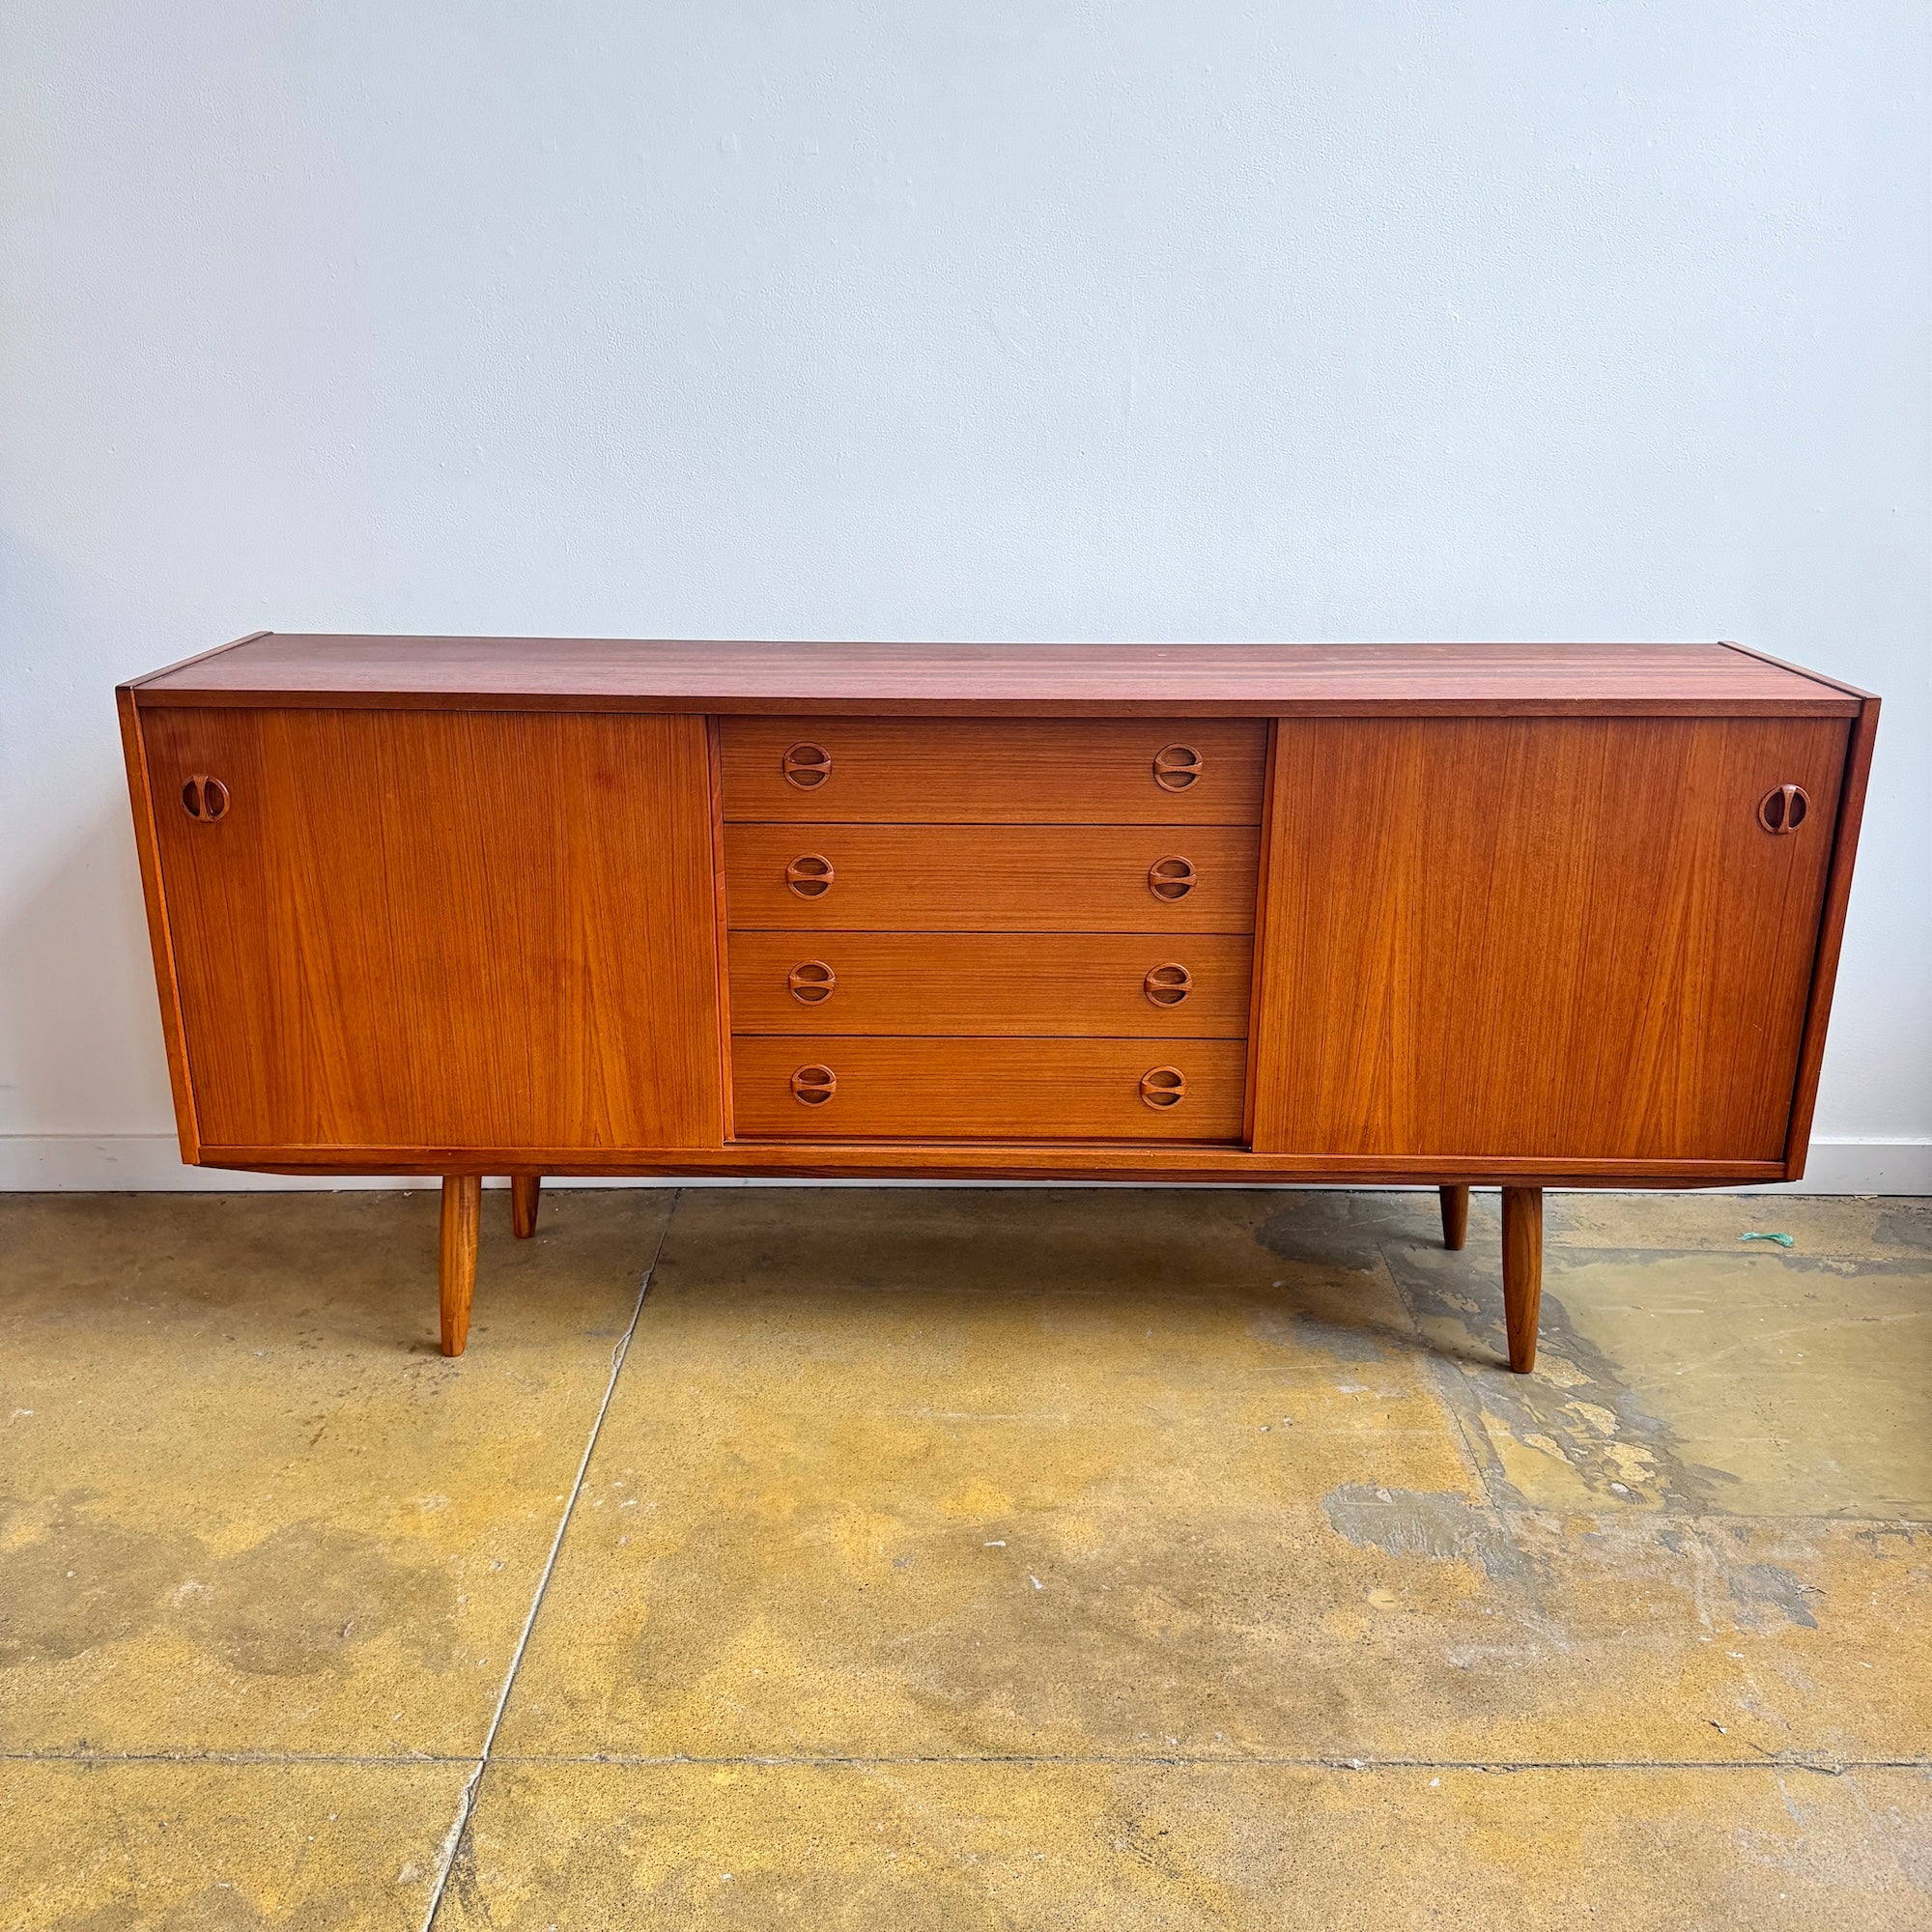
(1524, 914)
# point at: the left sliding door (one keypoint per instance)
(439, 933)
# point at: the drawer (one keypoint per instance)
(1148, 985)
(994, 771)
(991, 878)
(1084, 1090)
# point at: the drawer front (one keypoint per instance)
(991, 878)
(987, 1089)
(1148, 985)
(991, 771)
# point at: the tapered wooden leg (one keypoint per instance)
(455, 1255)
(1454, 1215)
(1522, 1272)
(523, 1192)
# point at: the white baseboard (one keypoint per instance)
(150, 1163)
(1863, 1164)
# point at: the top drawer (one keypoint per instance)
(994, 771)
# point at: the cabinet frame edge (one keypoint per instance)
(1258, 949)
(721, 958)
(1225, 1164)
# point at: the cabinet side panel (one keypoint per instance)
(1831, 937)
(140, 800)
(1539, 937)
(445, 930)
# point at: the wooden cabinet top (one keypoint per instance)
(283, 669)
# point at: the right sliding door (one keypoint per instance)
(1572, 938)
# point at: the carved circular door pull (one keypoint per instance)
(1176, 767)
(1171, 879)
(811, 983)
(807, 766)
(810, 875)
(1784, 808)
(813, 1086)
(204, 797)
(1168, 985)
(1163, 1086)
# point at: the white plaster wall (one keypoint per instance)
(1025, 319)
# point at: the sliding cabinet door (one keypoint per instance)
(1566, 938)
(439, 931)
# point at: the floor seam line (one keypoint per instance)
(399, 1759)
(467, 1804)
(1824, 1763)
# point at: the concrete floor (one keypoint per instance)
(950, 1559)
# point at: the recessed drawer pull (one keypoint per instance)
(205, 798)
(812, 1086)
(1171, 879)
(811, 983)
(807, 766)
(1168, 985)
(810, 875)
(1784, 808)
(1163, 1086)
(1176, 767)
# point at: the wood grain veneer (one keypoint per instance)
(993, 983)
(443, 928)
(935, 1089)
(991, 878)
(1010, 770)
(1040, 680)
(1555, 938)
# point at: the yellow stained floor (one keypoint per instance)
(963, 1559)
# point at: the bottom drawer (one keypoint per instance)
(910, 1089)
